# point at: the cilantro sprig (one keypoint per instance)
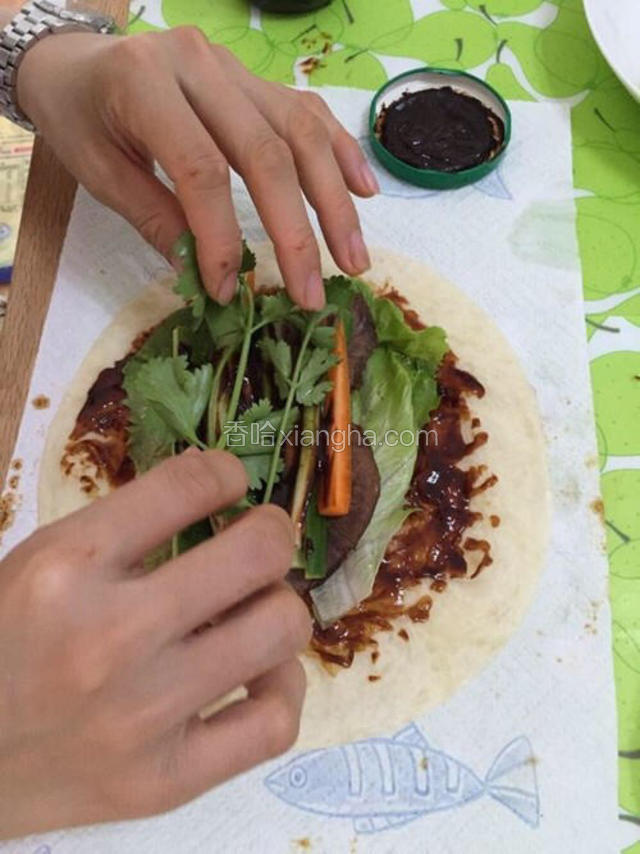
(176, 396)
(190, 285)
(301, 380)
(183, 395)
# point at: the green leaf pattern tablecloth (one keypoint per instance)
(529, 50)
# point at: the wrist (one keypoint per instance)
(30, 30)
(41, 75)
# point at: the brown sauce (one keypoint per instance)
(41, 401)
(100, 434)
(440, 128)
(432, 544)
(8, 503)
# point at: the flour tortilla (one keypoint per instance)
(472, 619)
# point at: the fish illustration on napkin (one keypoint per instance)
(382, 783)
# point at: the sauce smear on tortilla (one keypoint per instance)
(432, 544)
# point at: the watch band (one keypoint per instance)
(34, 22)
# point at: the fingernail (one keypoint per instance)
(358, 252)
(228, 287)
(314, 292)
(369, 179)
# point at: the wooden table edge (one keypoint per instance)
(47, 206)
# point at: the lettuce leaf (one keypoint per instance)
(398, 393)
(386, 404)
(426, 346)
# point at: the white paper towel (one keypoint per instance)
(509, 243)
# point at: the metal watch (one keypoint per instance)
(34, 22)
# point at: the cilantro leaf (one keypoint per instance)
(257, 466)
(248, 259)
(195, 534)
(315, 366)
(177, 396)
(324, 336)
(316, 394)
(159, 342)
(189, 285)
(226, 323)
(150, 439)
(279, 354)
(262, 431)
(275, 307)
(340, 290)
(258, 411)
(318, 316)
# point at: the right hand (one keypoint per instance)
(112, 105)
(102, 674)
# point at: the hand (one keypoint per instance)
(111, 105)
(102, 675)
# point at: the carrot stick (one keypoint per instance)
(335, 489)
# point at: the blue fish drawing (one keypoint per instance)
(382, 783)
(493, 185)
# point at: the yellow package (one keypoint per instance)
(15, 154)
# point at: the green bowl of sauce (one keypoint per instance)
(438, 128)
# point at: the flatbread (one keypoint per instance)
(472, 619)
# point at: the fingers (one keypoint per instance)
(266, 163)
(265, 631)
(215, 115)
(250, 554)
(140, 197)
(143, 514)
(356, 170)
(320, 176)
(244, 734)
(182, 146)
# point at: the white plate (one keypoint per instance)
(615, 25)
